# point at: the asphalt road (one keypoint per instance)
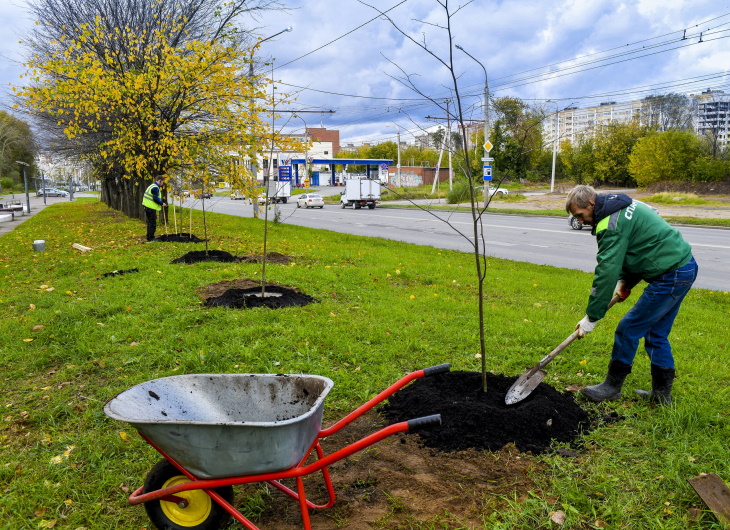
(533, 239)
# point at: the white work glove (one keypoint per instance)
(585, 326)
(622, 290)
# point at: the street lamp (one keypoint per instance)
(398, 178)
(25, 180)
(306, 148)
(486, 115)
(253, 48)
(555, 143)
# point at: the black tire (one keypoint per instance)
(371, 206)
(342, 205)
(203, 513)
(575, 224)
(358, 206)
(299, 205)
(283, 200)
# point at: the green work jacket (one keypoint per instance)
(634, 244)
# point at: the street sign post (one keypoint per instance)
(487, 172)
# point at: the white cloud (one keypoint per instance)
(514, 39)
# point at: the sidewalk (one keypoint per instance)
(36, 205)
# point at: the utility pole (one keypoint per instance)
(487, 144)
(25, 180)
(448, 122)
(400, 182)
(555, 149)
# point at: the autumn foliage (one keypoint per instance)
(139, 96)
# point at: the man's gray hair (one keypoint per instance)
(580, 196)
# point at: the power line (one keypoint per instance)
(345, 34)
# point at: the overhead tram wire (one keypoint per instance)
(552, 75)
(418, 102)
(343, 35)
(624, 46)
(549, 74)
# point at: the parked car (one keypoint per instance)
(310, 200)
(479, 190)
(51, 192)
(574, 223)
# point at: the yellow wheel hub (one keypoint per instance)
(197, 510)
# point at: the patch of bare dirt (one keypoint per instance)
(197, 256)
(271, 257)
(398, 481)
(441, 476)
(272, 297)
(213, 290)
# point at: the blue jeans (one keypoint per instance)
(652, 318)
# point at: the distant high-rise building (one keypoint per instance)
(713, 116)
(573, 123)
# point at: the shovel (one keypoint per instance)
(528, 381)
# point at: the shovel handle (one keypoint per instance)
(550, 356)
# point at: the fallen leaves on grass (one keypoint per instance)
(558, 517)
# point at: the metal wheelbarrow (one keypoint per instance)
(216, 431)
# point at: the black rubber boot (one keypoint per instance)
(610, 389)
(661, 385)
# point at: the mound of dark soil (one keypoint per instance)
(271, 257)
(276, 297)
(180, 238)
(472, 418)
(196, 256)
(119, 272)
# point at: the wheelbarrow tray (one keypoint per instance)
(225, 425)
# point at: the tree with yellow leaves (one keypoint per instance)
(146, 88)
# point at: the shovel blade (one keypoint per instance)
(523, 387)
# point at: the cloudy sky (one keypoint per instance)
(348, 65)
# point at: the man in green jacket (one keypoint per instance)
(634, 244)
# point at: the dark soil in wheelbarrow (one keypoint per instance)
(454, 476)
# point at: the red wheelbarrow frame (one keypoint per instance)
(300, 470)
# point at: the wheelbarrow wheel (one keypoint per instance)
(201, 513)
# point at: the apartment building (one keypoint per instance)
(710, 117)
(713, 116)
(572, 123)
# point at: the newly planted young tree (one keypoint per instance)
(446, 60)
(147, 88)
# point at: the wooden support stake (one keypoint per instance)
(715, 493)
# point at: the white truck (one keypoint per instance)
(360, 192)
(279, 191)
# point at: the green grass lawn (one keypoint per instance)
(71, 338)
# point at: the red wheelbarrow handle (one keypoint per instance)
(385, 394)
(424, 422)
